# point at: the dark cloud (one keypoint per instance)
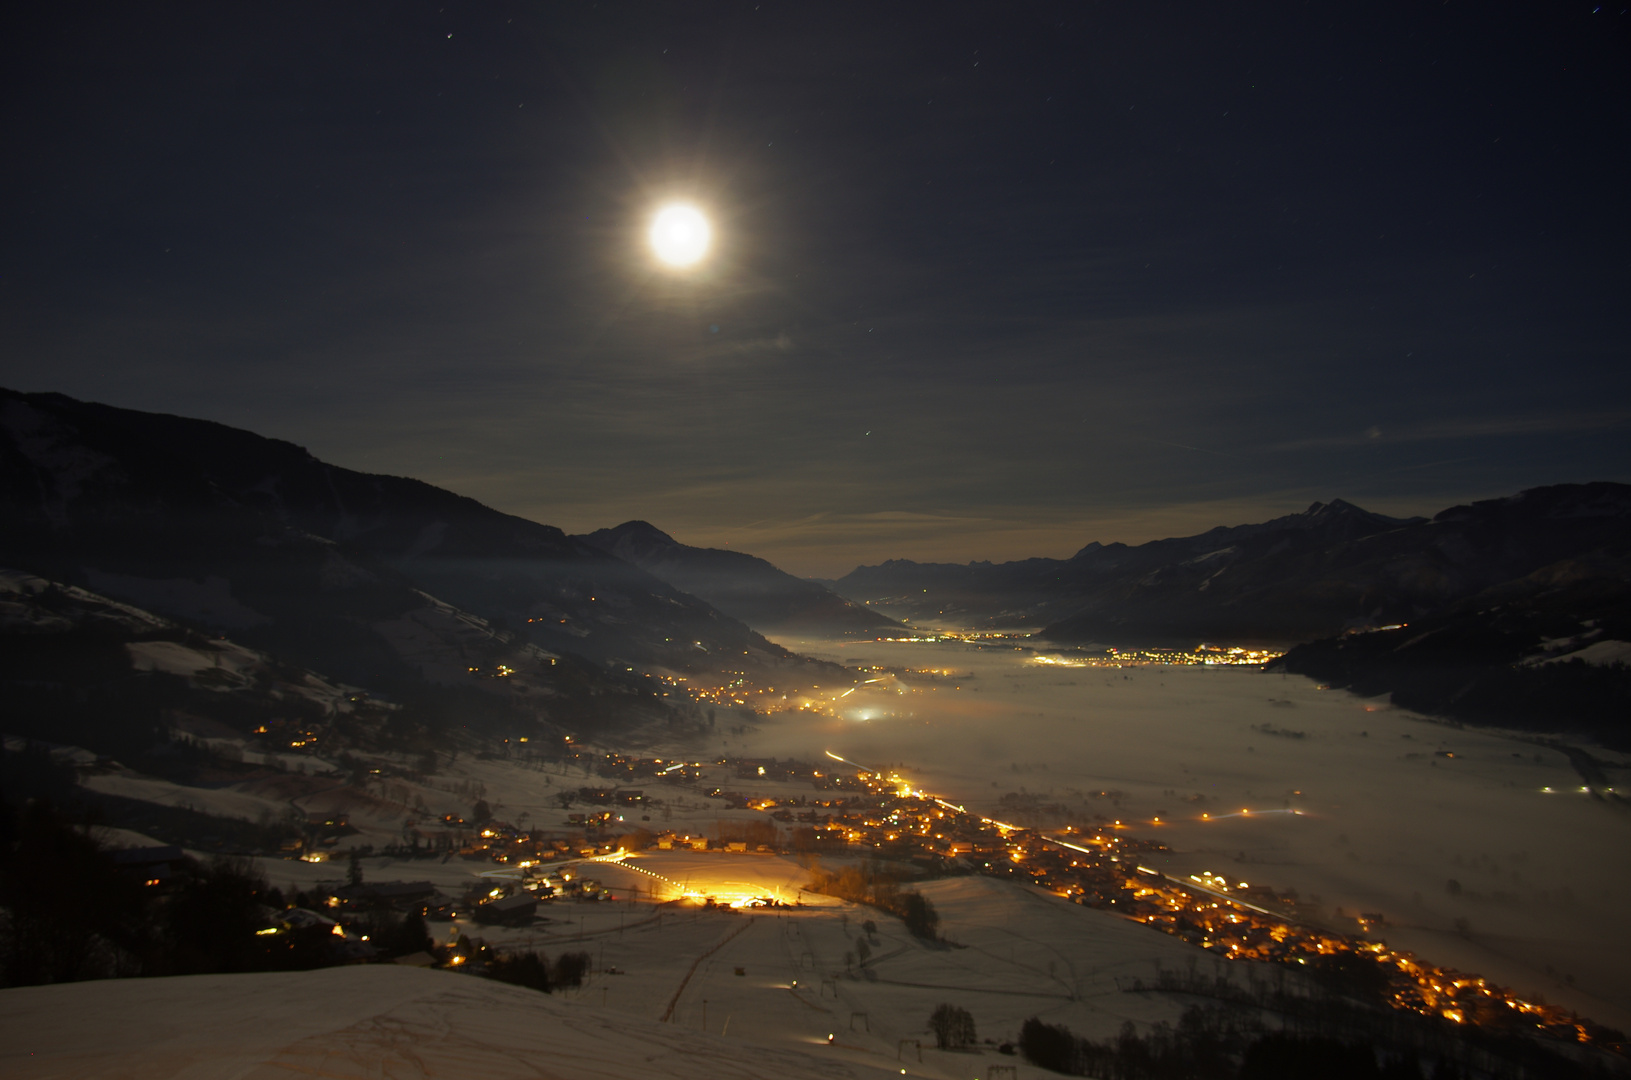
(1080, 273)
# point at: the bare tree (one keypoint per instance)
(953, 1027)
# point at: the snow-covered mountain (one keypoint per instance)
(380, 581)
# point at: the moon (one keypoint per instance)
(680, 234)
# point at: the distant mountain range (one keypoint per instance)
(740, 585)
(1295, 578)
(412, 591)
(378, 581)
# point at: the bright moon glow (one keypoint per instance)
(680, 235)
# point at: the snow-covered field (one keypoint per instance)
(228, 666)
(227, 802)
(1017, 952)
(377, 1021)
(676, 990)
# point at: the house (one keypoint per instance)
(402, 895)
(304, 919)
(515, 910)
(152, 866)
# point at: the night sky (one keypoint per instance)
(989, 280)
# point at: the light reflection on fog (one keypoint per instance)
(1384, 821)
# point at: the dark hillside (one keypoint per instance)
(739, 584)
(380, 581)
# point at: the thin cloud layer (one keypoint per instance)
(990, 283)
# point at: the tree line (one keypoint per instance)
(872, 884)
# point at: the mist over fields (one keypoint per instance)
(1471, 861)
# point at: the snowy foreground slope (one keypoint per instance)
(360, 1022)
(744, 995)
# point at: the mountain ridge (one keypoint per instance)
(1293, 578)
(335, 569)
(743, 586)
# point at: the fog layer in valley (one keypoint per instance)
(1473, 863)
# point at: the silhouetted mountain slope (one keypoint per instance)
(1294, 578)
(741, 585)
(1106, 577)
(1300, 585)
(1547, 653)
(349, 573)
